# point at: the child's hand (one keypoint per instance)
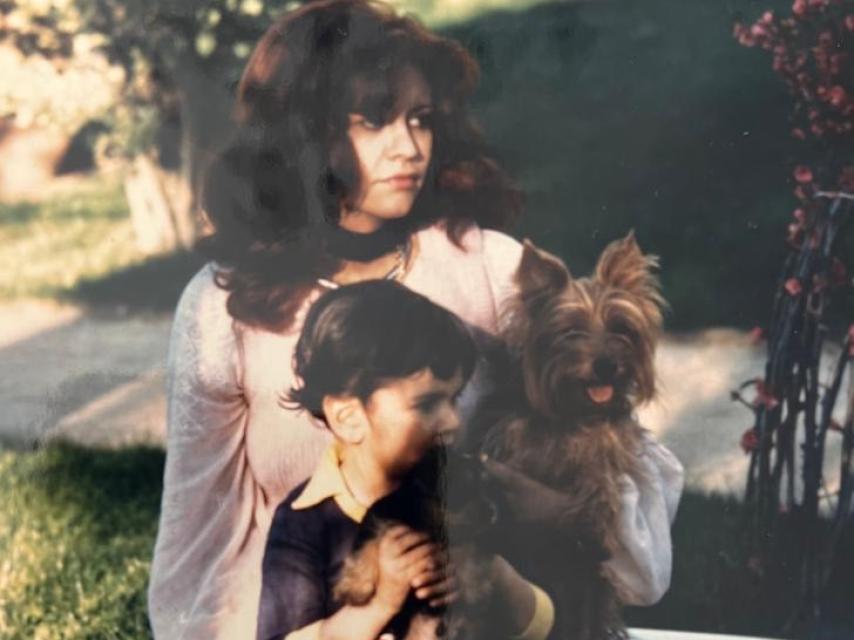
(408, 559)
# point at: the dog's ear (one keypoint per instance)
(540, 272)
(623, 266)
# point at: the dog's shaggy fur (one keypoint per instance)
(461, 520)
(585, 352)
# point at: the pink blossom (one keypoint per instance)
(764, 397)
(799, 7)
(793, 287)
(803, 174)
(749, 441)
(837, 96)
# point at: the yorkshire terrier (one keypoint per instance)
(462, 520)
(584, 350)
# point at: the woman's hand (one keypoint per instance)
(531, 502)
(409, 560)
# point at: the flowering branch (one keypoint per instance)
(812, 50)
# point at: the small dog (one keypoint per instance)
(584, 350)
(461, 519)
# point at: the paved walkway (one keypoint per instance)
(99, 380)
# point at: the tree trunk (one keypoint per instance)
(150, 208)
(165, 205)
(205, 125)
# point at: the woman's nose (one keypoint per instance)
(402, 141)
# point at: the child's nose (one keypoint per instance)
(450, 419)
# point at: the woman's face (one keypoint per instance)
(392, 156)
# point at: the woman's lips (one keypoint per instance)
(404, 181)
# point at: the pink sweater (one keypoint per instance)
(233, 453)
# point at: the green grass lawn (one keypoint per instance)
(76, 532)
(49, 247)
(77, 529)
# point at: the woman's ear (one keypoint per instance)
(346, 416)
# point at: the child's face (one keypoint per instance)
(409, 416)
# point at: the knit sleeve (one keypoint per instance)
(641, 567)
(502, 255)
(208, 492)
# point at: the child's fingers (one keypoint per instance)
(428, 571)
(441, 592)
(404, 539)
(445, 600)
(419, 559)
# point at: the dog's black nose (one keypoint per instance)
(605, 368)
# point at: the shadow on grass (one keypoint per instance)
(100, 482)
(153, 286)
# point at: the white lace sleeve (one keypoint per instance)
(642, 566)
(203, 518)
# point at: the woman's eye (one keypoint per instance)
(365, 122)
(422, 120)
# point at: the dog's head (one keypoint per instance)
(587, 345)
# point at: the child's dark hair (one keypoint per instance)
(358, 337)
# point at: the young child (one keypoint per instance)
(381, 366)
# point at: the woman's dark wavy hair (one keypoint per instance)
(359, 337)
(290, 163)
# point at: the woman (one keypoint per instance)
(354, 159)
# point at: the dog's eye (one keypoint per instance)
(575, 334)
(623, 329)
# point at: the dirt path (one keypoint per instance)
(99, 380)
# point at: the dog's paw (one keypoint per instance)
(359, 577)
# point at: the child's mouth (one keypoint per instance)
(600, 394)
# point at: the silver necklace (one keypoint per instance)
(403, 253)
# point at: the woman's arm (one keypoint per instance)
(203, 582)
(641, 566)
(522, 608)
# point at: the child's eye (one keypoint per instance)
(427, 406)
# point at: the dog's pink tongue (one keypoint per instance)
(600, 394)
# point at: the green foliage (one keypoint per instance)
(643, 114)
(47, 248)
(77, 528)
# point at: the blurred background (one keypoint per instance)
(611, 114)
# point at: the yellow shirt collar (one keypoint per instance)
(327, 482)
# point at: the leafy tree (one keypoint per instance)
(181, 58)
